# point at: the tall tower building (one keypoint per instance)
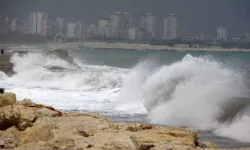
(222, 34)
(60, 26)
(39, 23)
(148, 23)
(171, 22)
(4, 23)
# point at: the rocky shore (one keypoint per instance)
(26, 125)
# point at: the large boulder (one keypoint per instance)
(16, 115)
(7, 99)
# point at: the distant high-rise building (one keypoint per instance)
(39, 23)
(59, 26)
(222, 34)
(79, 29)
(71, 30)
(4, 23)
(148, 23)
(121, 22)
(171, 22)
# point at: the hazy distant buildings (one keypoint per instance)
(171, 26)
(148, 23)
(39, 23)
(222, 34)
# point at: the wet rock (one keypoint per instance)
(44, 112)
(7, 99)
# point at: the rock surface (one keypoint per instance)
(31, 126)
(7, 99)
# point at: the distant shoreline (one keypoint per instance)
(128, 46)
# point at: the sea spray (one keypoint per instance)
(191, 93)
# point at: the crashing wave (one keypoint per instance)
(195, 92)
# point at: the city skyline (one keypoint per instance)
(195, 16)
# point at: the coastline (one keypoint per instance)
(26, 125)
(130, 46)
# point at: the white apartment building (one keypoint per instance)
(71, 30)
(170, 26)
(148, 23)
(222, 34)
(39, 23)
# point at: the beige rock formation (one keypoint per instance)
(7, 99)
(40, 127)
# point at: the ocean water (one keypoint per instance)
(205, 91)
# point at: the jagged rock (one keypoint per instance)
(7, 99)
(44, 112)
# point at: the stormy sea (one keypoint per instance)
(208, 92)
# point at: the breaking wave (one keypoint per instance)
(42, 71)
(196, 92)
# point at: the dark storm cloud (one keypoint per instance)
(195, 15)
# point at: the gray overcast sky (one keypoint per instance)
(196, 15)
